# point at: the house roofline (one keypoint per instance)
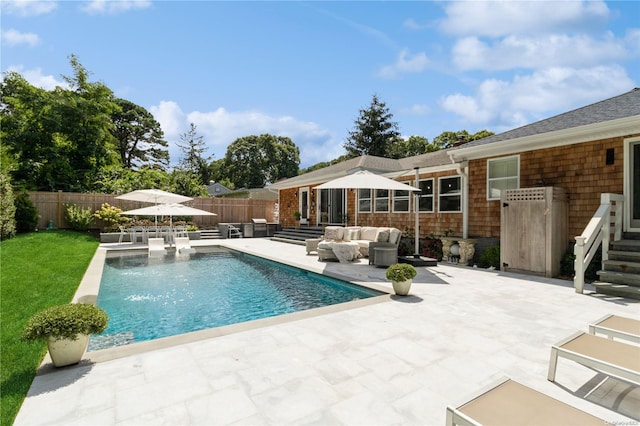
(607, 129)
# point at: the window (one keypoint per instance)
(400, 201)
(426, 195)
(364, 200)
(450, 195)
(382, 201)
(502, 173)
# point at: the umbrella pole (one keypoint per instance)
(417, 220)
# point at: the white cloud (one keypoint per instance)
(544, 93)
(416, 109)
(537, 52)
(14, 38)
(26, 8)
(112, 7)
(405, 63)
(36, 78)
(497, 19)
(220, 128)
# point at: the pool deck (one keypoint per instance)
(395, 360)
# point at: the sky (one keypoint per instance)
(305, 70)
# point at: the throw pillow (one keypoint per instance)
(394, 235)
(383, 235)
(354, 234)
(333, 233)
(368, 233)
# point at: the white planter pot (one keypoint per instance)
(66, 351)
(402, 287)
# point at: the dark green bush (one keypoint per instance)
(26, 213)
(7, 209)
(490, 257)
(567, 264)
(432, 247)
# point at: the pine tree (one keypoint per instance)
(374, 131)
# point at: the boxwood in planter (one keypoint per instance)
(66, 321)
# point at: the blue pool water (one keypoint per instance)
(147, 297)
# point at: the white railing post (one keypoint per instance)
(578, 265)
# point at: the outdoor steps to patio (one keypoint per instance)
(298, 235)
(620, 275)
(210, 234)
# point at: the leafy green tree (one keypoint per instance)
(414, 145)
(7, 209)
(187, 183)
(254, 161)
(139, 137)
(194, 161)
(61, 138)
(449, 139)
(374, 131)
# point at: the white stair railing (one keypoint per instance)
(598, 231)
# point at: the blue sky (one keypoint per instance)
(305, 69)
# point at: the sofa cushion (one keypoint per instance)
(383, 235)
(394, 235)
(351, 233)
(334, 233)
(368, 233)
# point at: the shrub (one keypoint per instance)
(110, 215)
(26, 213)
(400, 272)
(7, 209)
(66, 321)
(432, 247)
(490, 257)
(567, 268)
(80, 219)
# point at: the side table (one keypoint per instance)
(385, 256)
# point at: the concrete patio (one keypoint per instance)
(392, 361)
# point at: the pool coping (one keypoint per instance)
(89, 287)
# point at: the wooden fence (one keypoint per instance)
(51, 206)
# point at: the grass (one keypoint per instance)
(37, 270)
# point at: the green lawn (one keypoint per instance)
(37, 270)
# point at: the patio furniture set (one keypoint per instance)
(142, 234)
(345, 244)
(510, 402)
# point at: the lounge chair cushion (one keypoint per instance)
(368, 233)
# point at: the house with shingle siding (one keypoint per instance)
(587, 151)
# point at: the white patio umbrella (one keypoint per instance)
(173, 209)
(367, 180)
(156, 196)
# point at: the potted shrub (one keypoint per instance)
(401, 276)
(66, 328)
(296, 216)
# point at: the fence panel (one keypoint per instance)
(51, 206)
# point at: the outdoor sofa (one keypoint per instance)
(352, 241)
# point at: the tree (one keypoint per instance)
(139, 137)
(254, 161)
(194, 161)
(414, 145)
(7, 209)
(449, 139)
(374, 131)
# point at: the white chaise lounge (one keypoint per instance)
(156, 247)
(511, 403)
(615, 326)
(609, 356)
(183, 246)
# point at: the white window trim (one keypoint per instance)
(401, 197)
(489, 161)
(370, 198)
(450, 195)
(375, 199)
(432, 195)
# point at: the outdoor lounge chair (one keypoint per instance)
(156, 247)
(614, 326)
(511, 403)
(183, 245)
(609, 356)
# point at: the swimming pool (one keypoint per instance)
(148, 298)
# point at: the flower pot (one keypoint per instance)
(66, 351)
(402, 287)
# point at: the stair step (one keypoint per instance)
(622, 266)
(621, 290)
(626, 256)
(626, 245)
(619, 278)
(288, 240)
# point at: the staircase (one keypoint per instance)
(298, 235)
(621, 272)
(210, 234)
